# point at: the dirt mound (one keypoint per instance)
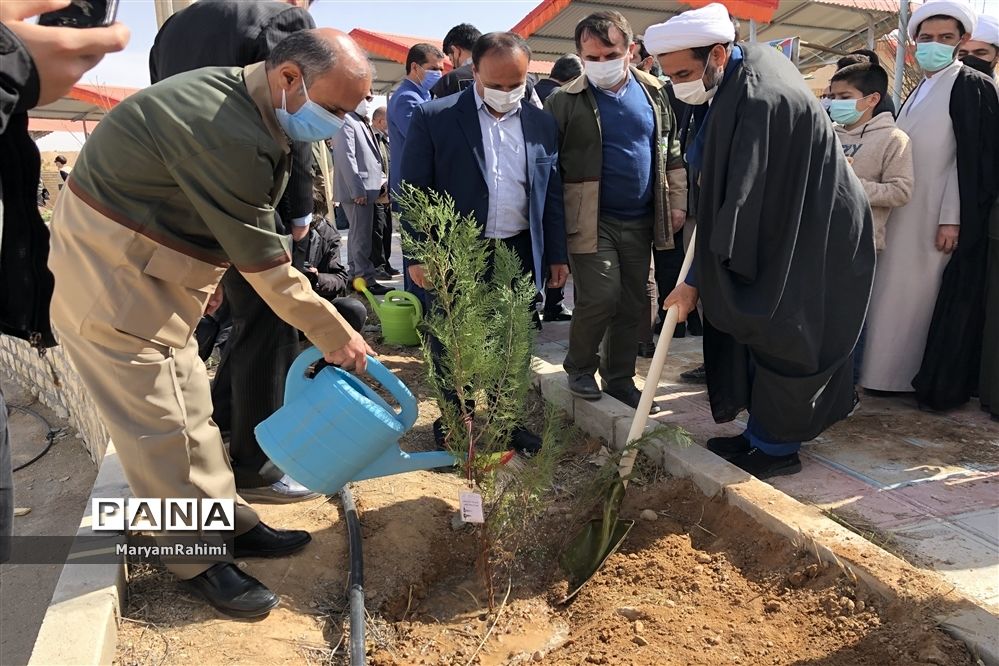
(699, 584)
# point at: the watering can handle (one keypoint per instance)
(297, 383)
(407, 417)
(411, 298)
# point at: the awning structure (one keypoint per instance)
(388, 54)
(827, 28)
(78, 111)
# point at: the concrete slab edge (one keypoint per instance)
(80, 627)
(890, 576)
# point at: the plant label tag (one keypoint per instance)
(471, 507)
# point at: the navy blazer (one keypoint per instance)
(444, 152)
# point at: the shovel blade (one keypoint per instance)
(596, 542)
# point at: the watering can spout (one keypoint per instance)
(394, 461)
(362, 286)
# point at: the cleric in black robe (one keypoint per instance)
(961, 358)
(785, 248)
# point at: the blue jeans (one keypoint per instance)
(764, 441)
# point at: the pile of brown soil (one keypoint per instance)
(700, 584)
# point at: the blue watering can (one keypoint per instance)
(334, 428)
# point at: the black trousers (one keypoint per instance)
(249, 382)
(668, 265)
(381, 245)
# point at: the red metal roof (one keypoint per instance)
(84, 102)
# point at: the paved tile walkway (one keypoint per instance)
(924, 486)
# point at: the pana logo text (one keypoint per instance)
(153, 514)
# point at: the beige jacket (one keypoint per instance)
(882, 158)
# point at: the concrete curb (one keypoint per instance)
(888, 575)
(80, 627)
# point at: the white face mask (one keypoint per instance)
(694, 92)
(606, 74)
(503, 102)
(362, 109)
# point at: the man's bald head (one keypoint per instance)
(327, 62)
(316, 52)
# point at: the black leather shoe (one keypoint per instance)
(232, 592)
(584, 386)
(696, 376)
(525, 442)
(631, 397)
(762, 466)
(562, 314)
(729, 447)
(264, 541)
(388, 268)
(646, 349)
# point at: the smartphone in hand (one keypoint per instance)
(82, 14)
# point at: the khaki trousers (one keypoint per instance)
(154, 398)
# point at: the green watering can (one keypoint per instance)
(400, 312)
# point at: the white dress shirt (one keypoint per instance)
(506, 171)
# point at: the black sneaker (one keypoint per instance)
(762, 466)
(696, 376)
(856, 404)
(729, 447)
(377, 288)
(562, 314)
(525, 442)
(631, 397)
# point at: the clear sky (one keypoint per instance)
(405, 17)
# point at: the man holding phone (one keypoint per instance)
(40, 64)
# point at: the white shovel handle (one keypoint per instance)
(655, 369)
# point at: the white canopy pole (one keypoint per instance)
(900, 43)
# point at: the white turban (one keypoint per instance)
(956, 9)
(987, 29)
(691, 29)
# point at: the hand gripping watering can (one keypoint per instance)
(334, 428)
(399, 312)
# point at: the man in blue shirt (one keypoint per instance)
(625, 191)
(424, 68)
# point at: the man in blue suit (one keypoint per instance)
(424, 68)
(498, 159)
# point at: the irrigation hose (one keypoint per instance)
(355, 593)
(49, 438)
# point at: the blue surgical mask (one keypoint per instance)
(430, 78)
(310, 123)
(844, 111)
(934, 56)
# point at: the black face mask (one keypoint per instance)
(984, 66)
